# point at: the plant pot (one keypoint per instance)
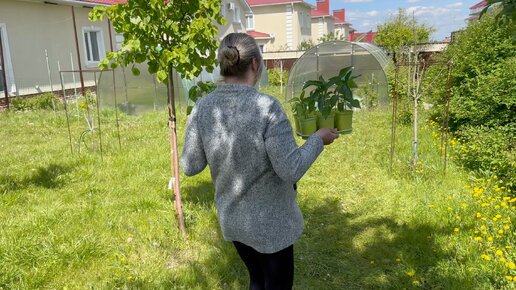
(344, 121)
(329, 122)
(297, 127)
(307, 126)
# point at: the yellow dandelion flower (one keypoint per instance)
(495, 219)
(495, 177)
(449, 208)
(510, 278)
(485, 204)
(500, 232)
(410, 273)
(502, 259)
(498, 216)
(464, 205)
(486, 257)
(483, 227)
(499, 252)
(511, 265)
(506, 227)
(130, 278)
(512, 200)
(478, 238)
(456, 229)
(479, 215)
(506, 198)
(497, 206)
(490, 239)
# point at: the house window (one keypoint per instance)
(249, 22)
(302, 20)
(93, 45)
(119, 38)
(236, 15)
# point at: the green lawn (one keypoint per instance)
(76, 221)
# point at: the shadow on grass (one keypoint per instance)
(338, 250)
(344, 251)
(49, 176)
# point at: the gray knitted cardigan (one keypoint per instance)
(246, 139)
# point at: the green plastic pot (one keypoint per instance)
(297, 127)
(329, 122)
(344, 121)
(307, 126)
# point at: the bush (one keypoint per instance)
(45, 101)
(483, 76)
(489, 151)
(275, 77)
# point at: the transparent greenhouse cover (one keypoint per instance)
(327, 59)
(136, 95)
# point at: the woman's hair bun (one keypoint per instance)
(230, 55)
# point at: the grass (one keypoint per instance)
(76, 221)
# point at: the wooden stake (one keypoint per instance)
(174, 158)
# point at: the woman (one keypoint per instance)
(247, 140)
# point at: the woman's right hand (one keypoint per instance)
(327, 135)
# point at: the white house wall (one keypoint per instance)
(35, 27)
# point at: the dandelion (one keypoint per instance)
(483, 227)
(479, 215)
(456, 230)
(502, 259)
(130, 278)
(511, 265)
(510, 278)
(449, 208)
(499, 252)
(486, 257)
(500, 232)
(410, 273)
(498, 216)
(490, 239)
(478, 238)
(506, 227)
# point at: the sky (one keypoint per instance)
(444, 15)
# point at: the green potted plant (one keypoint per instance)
(344, 82)
(325, 99)
(303, 110)
(198, 91)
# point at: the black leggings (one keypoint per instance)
(268, 271)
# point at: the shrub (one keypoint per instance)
(488, 150)
(275, 77)
(483, 75)
(45, 101)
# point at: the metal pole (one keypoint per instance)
(114, 86)
(66, 113)
(446, 116)
(174, 154)
(73, 77)
(78, 51)
(394, 112)
(2, 62)
(48, 72)
(98, 114)
(155, 93)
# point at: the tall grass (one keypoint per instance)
(78, 221)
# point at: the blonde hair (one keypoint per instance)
(236, 53)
